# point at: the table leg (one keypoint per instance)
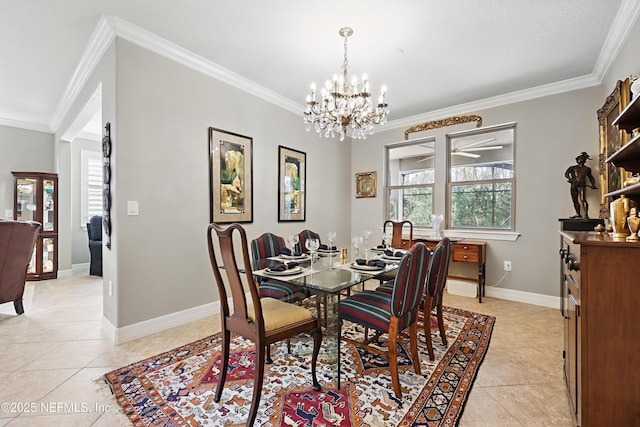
(332, 333)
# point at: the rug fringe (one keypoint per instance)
(104, 388)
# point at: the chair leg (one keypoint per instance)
(17, 304)
(257, 384)
(392, 354)
(224, 364)
(413, 342)
(426, 323)
(269, 360)
(443, 334)
(317, 342)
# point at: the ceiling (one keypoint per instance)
(430, 54)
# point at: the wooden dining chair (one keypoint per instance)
(305, 235)
(392, 313)
(432, 301)
(266, 246)
(262, 320)
(396, 232)
(396, 242)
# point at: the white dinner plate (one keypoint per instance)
(378, 249)
(391, 258)
(357, 266)
(284, 256)
(294, 270)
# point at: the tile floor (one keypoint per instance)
(51, 356)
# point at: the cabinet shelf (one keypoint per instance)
(36, 199)
(629, 119)
(628, 156)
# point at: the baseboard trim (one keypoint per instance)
(525, 297)
(138, 330)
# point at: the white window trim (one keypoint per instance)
(86, 157)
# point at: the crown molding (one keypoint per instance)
(498, 101)
(620, 29)
(100, 40)
(38, 127)
(110, 27)
(163, 47)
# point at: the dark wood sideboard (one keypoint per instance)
(600, 306)
(468, 251)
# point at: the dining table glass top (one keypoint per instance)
(329, 274)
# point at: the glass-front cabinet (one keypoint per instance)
(36, 199)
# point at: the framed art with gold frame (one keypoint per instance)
(611, 139)
(292, 193)
(230, 177)
(366, 183)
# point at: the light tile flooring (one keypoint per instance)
(51, 356)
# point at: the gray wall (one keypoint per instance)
(22, 151)
(161, 160)
(550, 132)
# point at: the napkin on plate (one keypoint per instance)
(287, 251)
(282, 266)
(380, 247)
(371, 262)
(326, 248)
(389, 252)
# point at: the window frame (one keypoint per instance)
(389, 188)
(450, 184)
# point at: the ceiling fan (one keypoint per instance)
(468, 150)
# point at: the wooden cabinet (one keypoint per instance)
(600, 308)
(36, 199)
(467, 251)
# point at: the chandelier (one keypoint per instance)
(345, 103)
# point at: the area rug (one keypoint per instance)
(176, 388)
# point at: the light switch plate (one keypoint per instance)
(132, 207)
(8, 213)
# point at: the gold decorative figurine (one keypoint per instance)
(619, 212)
(633, 221)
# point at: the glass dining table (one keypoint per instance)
(327, 275)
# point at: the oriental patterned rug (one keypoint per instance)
(176, 388)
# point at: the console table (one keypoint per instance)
(468, 251)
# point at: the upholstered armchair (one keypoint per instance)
(94, 232)
(17, 240)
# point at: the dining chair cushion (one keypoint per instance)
(372, 309)
(281, 291)
(279, 314)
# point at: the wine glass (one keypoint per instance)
(331, 236)
(357, 242)
(387, 239)
(312, 245)
(293, 241)
(365, 236)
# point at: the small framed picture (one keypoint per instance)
(292, 172)
(366, 184)
(230, 177)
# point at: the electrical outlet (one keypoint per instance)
(110, 288)
(507, 266)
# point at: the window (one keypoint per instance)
(91, 185)
(410, 180)
(481, 178)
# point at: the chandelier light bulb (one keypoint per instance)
(345, 104)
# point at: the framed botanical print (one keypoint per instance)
(230, 177)
(292, 172)
(366, 183)
(611, 139)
